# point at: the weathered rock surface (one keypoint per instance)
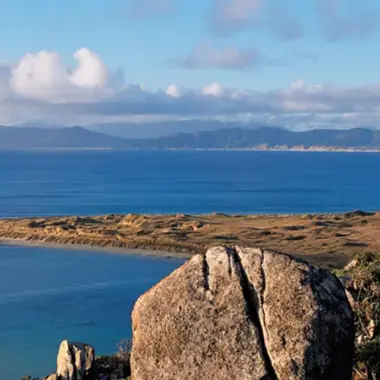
(74, 361)
(77, 361)
(243, 314)
(54, 376)
(50, 377)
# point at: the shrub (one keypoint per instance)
(117, 366)
(363, 285)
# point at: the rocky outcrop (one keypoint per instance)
(54, 376)
(75, 361)
(243, 314)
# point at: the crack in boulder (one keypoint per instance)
(253, 304)
(262, 293)
(206, 274)
(73, 358)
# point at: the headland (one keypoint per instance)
(324, 239)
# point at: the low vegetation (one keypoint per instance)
(330, 240)
(362, 281)
(116, 367)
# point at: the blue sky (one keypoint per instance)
(255, 47)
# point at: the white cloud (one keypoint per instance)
(39, 75)
(40, 88)
(91, 71)
(173, 91)
(43, 76)
(213, 89)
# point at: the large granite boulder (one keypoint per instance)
(75, 361)
(243, 314)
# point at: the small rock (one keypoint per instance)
(74, 361)
(355, 213)
(54, 376)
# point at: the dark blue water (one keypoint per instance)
(48, 295)
(57, 183)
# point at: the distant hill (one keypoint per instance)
(238, 138)
(233, 138)
(73, 137)
(168, 128)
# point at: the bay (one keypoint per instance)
(48, 295)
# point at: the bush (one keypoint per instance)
(363, 285)
(124, 349)
(116, 366)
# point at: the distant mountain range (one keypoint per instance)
(73, 137)
(168, 128)
(233, 138)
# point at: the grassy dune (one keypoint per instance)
(328, 239)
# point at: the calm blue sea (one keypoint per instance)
(47, 295)
(57, 183)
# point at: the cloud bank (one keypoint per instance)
(232, 16)
(41, 88)
(358, 21)
(337, 19)
(206, 56)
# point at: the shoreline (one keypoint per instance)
(323, 239)
(289, 150)
(94, 248)
(253, 149)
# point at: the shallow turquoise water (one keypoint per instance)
(48, 295)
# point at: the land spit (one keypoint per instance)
(324, 239)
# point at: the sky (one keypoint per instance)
(300, 64)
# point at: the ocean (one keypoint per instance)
(47, 295)
(104, 182)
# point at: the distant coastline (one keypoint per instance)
(295, 149)
(236, 138)
(320, 149)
